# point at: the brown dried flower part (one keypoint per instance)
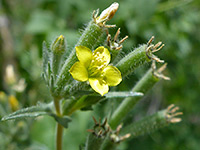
(158, 72)
(100, 130)
(106, 15)
(116, 138)
(172, 114)
(115, 44)
(151, 48)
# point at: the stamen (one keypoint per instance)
(108, 40)
(150, 41)
(95, 121)
(109, 26)
(172, 113)
(157, 49)
(116, 35)
(175, 120)
(122, 40)
(152, 49)
(118, 48)
(158, 72)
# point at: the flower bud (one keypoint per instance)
(59, 45)
(14, 104)
(10, 76)
(108, 13)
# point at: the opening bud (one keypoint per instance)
(107, 14)
(59, 45)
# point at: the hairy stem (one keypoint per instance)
(133, 60)
(59, 128)
(93, 142)
(108, 144)
(147, 82)
(153, 122)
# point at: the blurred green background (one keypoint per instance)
(25, 24)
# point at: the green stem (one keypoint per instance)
(93, 142)
(108, 144)
(59, 128)
(147, 124)
(57, 106)
(146, 83)
(133, 60)
(59, 135)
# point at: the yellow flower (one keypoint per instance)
(93, 67)
(14, 104)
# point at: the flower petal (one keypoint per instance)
(79, 72)
(99, 86)
(102, 53)
(84, 55)
(112, 76)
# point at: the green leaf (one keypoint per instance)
(30, 112)
(62, 120)
(45, 54)
(83, 103)
(123, 94)
(39, 110)
(86, 101)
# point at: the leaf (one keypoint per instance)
(30, 112)
(83, 103)
(39, 110)
(86, 101)
(62, 120)
(45, 55)
(123, 94)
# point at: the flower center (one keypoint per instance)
(97, 65)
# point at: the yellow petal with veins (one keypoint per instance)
(79, 72)
(84, 55)
(99, 86)
(103, 54)
(112, 76)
